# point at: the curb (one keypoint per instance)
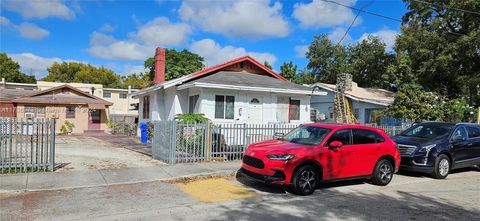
(169, 179)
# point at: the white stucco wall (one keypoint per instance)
(269, 109)
(323, 104)
(166, 104)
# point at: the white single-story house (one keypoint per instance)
(366, 103)
(238, 91)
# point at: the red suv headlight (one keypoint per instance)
(281, 156)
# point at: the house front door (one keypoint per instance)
(94, 119)
(255, 109)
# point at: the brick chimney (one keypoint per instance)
(159, 66)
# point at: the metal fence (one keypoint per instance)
(185, 143)
(393, 130)
(27, 145)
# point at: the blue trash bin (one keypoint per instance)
(143, 132)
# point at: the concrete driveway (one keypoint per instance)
(408, 197)
(88, 152)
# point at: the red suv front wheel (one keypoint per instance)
(305, 180)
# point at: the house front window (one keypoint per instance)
(107, 95)
(192, 103)
(29, 112)
(146, 107)
(224, 107)
(294, 110)
(122, 96)
(373, 115)
(70, 113)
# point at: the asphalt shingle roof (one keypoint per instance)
(6, 93)
(247, 79)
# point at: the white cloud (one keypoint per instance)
(33, 63)
(215, 54)
(337, 34)
(321, 14)
(97, 38)
(107, 28)
(301, 50)
(159, 32)
(40, 9)
(107, 47)
(32, 31)
(128, 69)
(26, 29)
(4, 21)
(243, 19)
(386, 35)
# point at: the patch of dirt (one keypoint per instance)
(85, 153)
(217, 189)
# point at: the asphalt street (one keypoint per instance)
(408, 197)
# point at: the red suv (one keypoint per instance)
(314, 153)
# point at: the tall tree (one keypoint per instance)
(10, 70)
(267, 64)
(138, 81)
(413, 102)
(368, 61)
(304, 77)
(326, 60)
(72, 72)
(443, 44)
(177, 64)
(288, 70)
(399, 72)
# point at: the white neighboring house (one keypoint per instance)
(366, 103)
(238, 91)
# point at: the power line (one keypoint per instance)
(363, 11)
(378, 15)
(353, 22)
(451, 8)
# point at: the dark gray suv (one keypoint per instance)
(436, 148)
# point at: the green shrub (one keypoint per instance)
(67, 127)
(191, 118)
(110, 124)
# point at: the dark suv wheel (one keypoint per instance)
(383, 173)
(442, 167)
(305, 180)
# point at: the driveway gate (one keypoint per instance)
(27, 145)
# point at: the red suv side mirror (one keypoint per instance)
(335, 144)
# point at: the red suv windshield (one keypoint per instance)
(307, 135)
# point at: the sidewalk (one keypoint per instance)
(91, 178)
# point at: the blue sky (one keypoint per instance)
(119, 35)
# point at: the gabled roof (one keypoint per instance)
(246, 81)
(369, 95)
(237, 60)
(208, 71)
(44, 97)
